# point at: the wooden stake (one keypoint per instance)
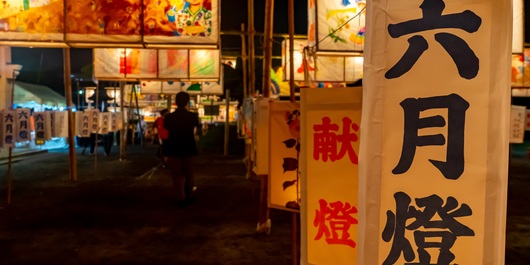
(71, 118)
(251, 48)
(244, 61)
(291, 49)
(227, 124)
(10, 155)
(267, 47)
(123, 131)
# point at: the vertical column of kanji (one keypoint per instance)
(436, 74)
(329, 166)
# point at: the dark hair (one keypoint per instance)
(164, 111)
(182, 99)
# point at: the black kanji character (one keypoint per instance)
(465, 59)
(445, 227)
(456, 107)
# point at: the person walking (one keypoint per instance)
(162, 134)
(184, 128)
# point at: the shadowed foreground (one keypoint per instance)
(119, 213)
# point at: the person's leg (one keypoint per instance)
(92, 140)
(107, 142)
(176, 168)
(189, 181)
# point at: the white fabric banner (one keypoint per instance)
(8, 128)
(284, 152)
(93, 114)
(435, 132)
(329, 166)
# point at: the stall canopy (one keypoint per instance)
(26, 93)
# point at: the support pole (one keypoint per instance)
(267, 48)
(227, 124)
(267, 62)
(71, 118)
(123, 131)
(10, 155)
(291, 49)
(244, 61)
(290, 9)
(251, 48)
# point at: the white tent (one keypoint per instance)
(37, 97)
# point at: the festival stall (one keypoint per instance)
(152, 24)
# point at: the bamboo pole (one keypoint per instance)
(123, 131)
(267, 48)
(71, 124)
(10, 154)
(227, 124)
(290, 9)
(244, 61)
(267, 54)
(251, 48)
(291, 49)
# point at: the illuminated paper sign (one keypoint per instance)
(116, 21)
(284, 154)
(337, 26)
(321, 67)
(104, 122)
(180, 21)
(113, 124)
(433, 117)
(329, 165)
(42, 122)
(93, 115)
(60, 124)
(517, 124)
(176, 64)
(8, 128)
(23, 125)
(35, 20)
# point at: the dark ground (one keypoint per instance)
(114, 215)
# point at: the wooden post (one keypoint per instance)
(123, 131)
(290, 7)
(227, 124)
(10, 154)
(244, 61)
(291, 49)
(267, 47)
(267, 61)
(251, 48)
(71, 118)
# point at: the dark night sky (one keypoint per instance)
(45, 66)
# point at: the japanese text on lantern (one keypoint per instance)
(8, 128)
(39, 127)
(330, 143)
(432, 222)
(23, 125)
(333, 221)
